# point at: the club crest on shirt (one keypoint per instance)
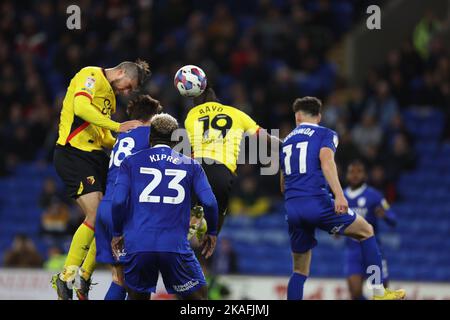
(361, 202)
(385, 204)
(90, 82)
(90, 180)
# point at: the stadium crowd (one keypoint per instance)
(259, 55)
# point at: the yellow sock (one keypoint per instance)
(89, 263)
(79, 248)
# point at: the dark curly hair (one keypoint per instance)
(143, 107)
(309, 105)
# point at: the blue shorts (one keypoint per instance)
(306, 214)
(354, 264)
(181, 272)
(103, 233)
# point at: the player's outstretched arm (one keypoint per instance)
(274, 142)
(83, 109)
(329, 170)
(282, 182)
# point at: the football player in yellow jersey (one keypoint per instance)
(215, 132)
(80, 161)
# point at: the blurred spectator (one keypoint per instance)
(423, 33)
(55, 219)
(355, 105)
(347, 150)
(49, 193)
(249, 202)
(399, 88)
(379, 181)
(367, 135)
(399, 157)
(225, 259)
(333, 111)
(22, 254)
(55, 260)
(382, 105)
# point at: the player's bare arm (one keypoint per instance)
(330, 172)
(117, 245)
(274, 141)
(208, 244)
(282, 182)
(380, 212)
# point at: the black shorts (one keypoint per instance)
(82, 172)
(221, 180)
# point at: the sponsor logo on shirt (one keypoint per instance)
(336, 229)
(361, 202)
(90, 83)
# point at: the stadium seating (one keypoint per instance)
(414, 249)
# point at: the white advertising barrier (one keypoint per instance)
(275, 288)
(32, 284)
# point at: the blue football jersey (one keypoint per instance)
(126, 144)
(160, 181)
(300, 160)
(364, 201)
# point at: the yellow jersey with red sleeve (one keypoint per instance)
(85, 121)
(215, 131)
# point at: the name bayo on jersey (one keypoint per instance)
(190, 81)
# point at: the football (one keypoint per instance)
(190, 81)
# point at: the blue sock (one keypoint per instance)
(295, 286)
(372, 257)
(116, 292)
